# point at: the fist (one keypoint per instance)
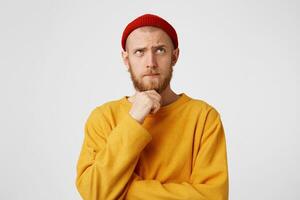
(144, 103)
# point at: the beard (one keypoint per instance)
(159, 84)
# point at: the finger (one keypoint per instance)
(155, 99)
(156, 96)
(156, 107)
(153, 92)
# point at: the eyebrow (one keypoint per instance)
(143, 48)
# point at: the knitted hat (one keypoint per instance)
(150, 20)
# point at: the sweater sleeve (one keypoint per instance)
(209, 177)
(108, 156)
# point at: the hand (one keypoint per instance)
(143, 103)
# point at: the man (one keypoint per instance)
(155, 144)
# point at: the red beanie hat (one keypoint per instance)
(150, 20)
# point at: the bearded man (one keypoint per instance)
(154, 144)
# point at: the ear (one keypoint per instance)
(125, 58)
(175, 55)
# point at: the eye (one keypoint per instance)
(138, 52)
(160, 50)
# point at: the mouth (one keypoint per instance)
(151, 74)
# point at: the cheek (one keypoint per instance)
(136, 70)
(136, 63)
(165, 61)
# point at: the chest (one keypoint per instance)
(169, 156)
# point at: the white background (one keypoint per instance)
(59, 59)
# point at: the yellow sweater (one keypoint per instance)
(177, 153)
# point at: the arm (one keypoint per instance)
(209, 177)
(108, 157)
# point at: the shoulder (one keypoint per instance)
(208, 114)
(107, 106)
(105, 109)
(101, 117)
(203, 106)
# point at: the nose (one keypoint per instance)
(151, 60)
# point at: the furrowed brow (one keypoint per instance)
(159, 46)
(143, 48)
(139, 48)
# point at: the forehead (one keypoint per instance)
(148, 35)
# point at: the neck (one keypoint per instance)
(168, 96)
